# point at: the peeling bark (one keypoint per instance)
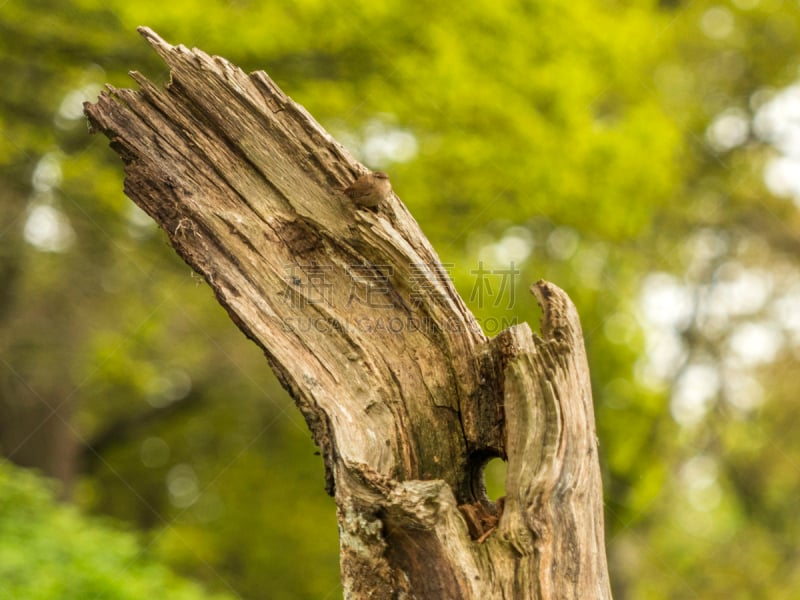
(404, 394)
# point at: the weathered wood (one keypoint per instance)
(404, 394)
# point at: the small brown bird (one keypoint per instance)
(370, 190)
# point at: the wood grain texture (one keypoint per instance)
(404, 394)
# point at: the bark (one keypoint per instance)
(404, 394)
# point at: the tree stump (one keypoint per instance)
(405, 396)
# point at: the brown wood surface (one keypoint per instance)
(404, 394)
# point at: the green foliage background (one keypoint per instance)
(50, 551)
(581, 141)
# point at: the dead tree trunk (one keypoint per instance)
(404, 394)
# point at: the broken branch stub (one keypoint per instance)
(402, 391)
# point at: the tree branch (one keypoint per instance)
(404, 394)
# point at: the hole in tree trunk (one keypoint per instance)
(494, 478)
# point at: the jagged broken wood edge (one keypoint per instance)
(189, 122)
(515, 396)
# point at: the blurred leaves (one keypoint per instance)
(618, 149)
(51, 552)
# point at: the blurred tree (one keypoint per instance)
(720, 312)
(619, 149)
